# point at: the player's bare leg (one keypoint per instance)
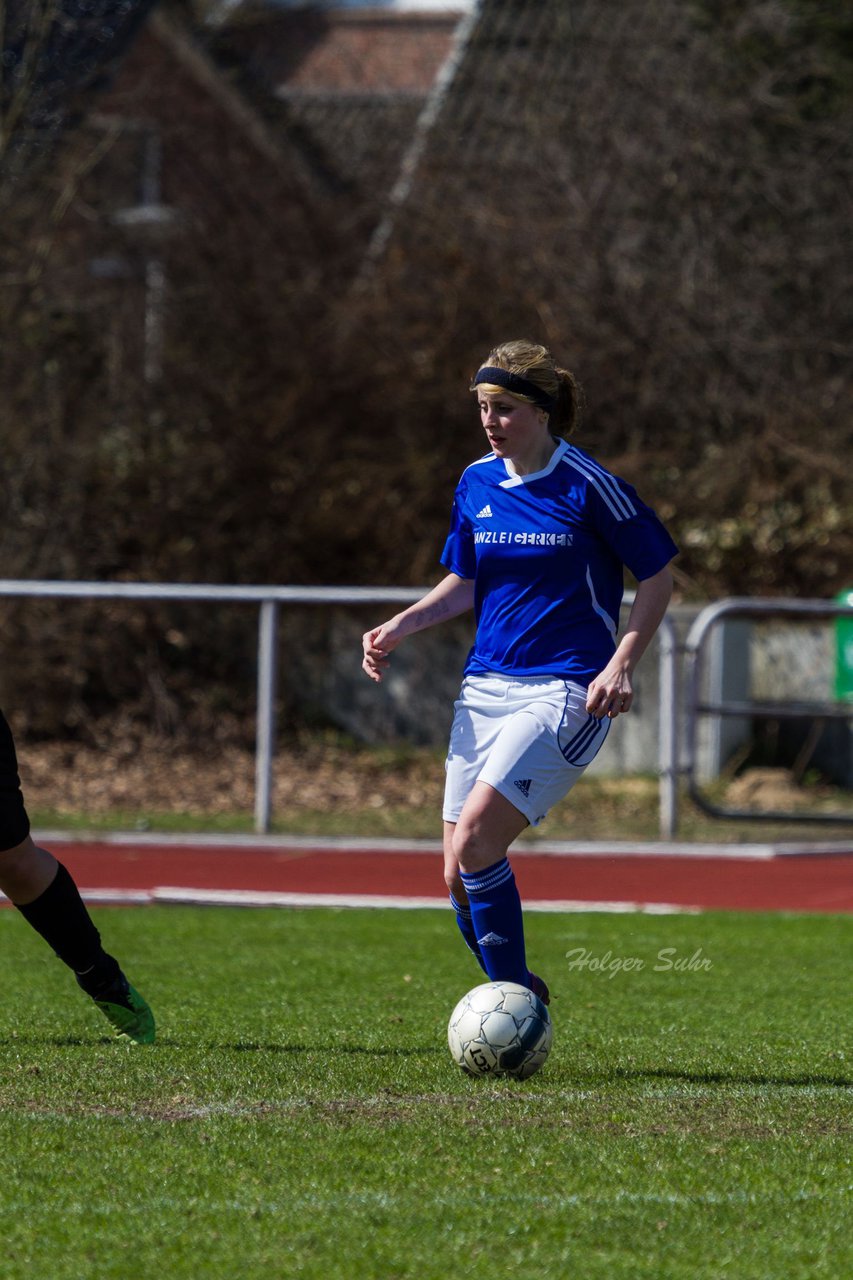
(487, 826)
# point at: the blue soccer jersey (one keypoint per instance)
(546, 553)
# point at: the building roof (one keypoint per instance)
(372, 52)
(318, 51)
(345, 85)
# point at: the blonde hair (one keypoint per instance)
(535, 363)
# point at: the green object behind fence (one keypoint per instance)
(844, 651)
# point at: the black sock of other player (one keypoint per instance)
(60, 916)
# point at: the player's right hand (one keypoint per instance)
(375, 660)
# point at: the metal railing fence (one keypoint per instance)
(697, 706)
(269, 600)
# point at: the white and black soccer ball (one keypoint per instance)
(500, 1029)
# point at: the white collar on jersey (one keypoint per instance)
(513, 479)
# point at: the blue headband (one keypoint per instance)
(515, 385)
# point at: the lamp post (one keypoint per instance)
(149, 222)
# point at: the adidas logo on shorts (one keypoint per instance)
(523, 785)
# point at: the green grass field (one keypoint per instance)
(300, 1115)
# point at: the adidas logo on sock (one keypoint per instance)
(492, 940)
(523, 785)
(484, 514)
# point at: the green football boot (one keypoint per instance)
(130, 1015)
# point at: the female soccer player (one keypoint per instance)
(47, 897)
(539, 536)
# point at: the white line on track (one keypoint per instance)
(166, 895)
(346, 844)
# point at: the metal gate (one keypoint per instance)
(699, 706)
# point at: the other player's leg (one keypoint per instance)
(46, 896)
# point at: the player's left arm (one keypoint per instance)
(611, 692)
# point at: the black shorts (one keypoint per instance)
(14, 823)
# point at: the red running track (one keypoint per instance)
(757, 882)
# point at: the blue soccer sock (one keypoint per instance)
(466, 927)
(498, 925)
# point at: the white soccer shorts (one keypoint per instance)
(529, 738)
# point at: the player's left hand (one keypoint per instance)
(610, 693)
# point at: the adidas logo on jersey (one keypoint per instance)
(484, 514)
(491, 940)
(523, 785)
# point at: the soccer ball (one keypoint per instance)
(500, 1029)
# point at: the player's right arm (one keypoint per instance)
(452, 596)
